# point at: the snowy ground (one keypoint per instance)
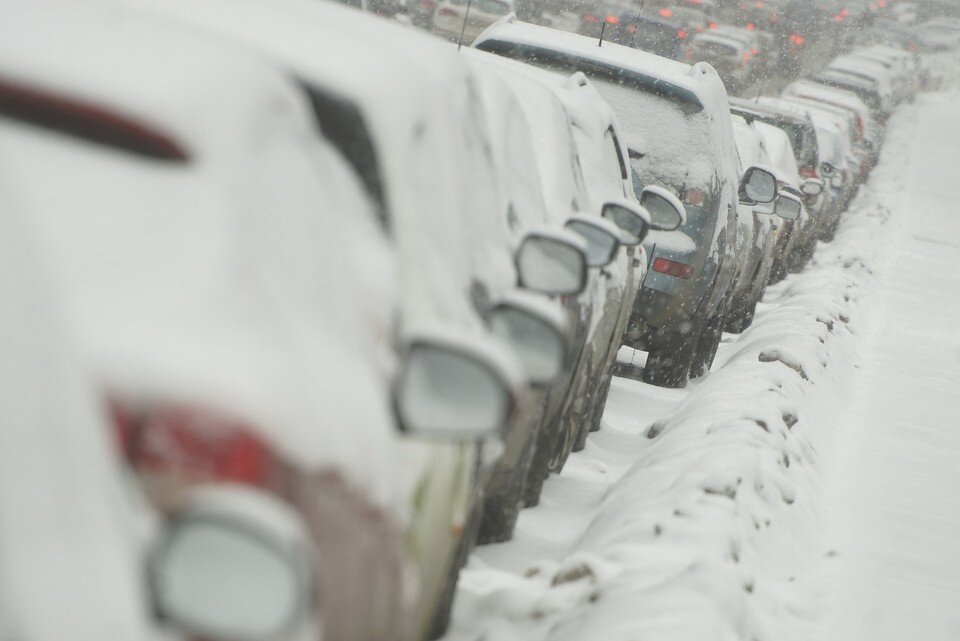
(807, 487)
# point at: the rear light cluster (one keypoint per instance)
(591, 18)
(681, 34)
(612, 20)
(796, 39)
(713, 25)
(182, 445)
(666, 13)
(672, 268)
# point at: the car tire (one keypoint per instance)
(668, 360)
(706, 346)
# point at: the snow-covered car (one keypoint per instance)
(678, 133)
(872, 93)
(417, 136)
(760, 248)
(216, 313)
(449, 17)
(872, 71)
(573, 145)
(869, 131)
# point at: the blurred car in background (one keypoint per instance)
(450, 17)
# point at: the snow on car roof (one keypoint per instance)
(780, 152)
(748, 143)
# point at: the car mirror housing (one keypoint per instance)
(666, 211)
(787, 206)
(452, 388)
(632, 220)
(602, 238)
(233, 565)
(758, 186)
(534, 333)
(837, 181)
(552, 263)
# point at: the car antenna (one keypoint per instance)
(603, 27)
(463, 27)
(636, 25)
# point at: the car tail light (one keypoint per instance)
(448, 11)
(695, 197)
(666, 13)
(754, 52)
(796, 39)
(747, 56)
(187, 445)
(612, 20)
(672, 268)
(681, 34)
(713, 25)
(87, 121)
(591, 18)
(751, 26)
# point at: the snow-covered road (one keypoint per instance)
(895, 514)
(808, 488)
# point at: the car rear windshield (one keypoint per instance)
(666, 127)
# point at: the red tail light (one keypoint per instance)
(754, 52)
(187, 445)
(747, 56)
(713, 25)
(666, 13)
(591, 18)
(447, 11)
(86, 120)
(681, 34)
(751, 26)
(672, 268)
(796, 39)
(612, 20)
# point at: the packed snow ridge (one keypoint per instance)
(697, 514)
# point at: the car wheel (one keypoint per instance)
(707, 344)
(668, 360)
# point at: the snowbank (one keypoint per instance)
(695, 514)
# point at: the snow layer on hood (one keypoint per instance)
(696, 514)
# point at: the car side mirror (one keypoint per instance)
(837, 181)
(632, 220)
(758, 186)
(233, 564)
(787, 206)
(535, 332)
(449, 387)
(552, 262)
(602, 238)
(827, 169)
(812, 187)
(666, 211)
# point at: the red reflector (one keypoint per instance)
(666, 13)
(86, 121)
(672, 268)
(612, 20)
